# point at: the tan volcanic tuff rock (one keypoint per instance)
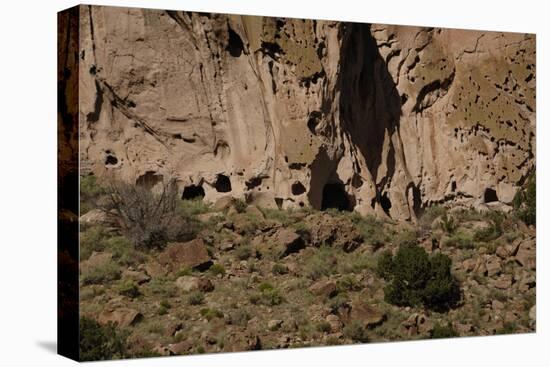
(289, 113)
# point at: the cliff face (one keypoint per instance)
(289, 112)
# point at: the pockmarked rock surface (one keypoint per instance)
(289, 113)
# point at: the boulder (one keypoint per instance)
(95, 217)
(137, 276)
(274, 324)
(192, 254)
(333, 231)
(287, 241)
(324, 288)
(154, 269)
(96, 259)
(526, 254)
(369, 315)
(121, 316)
(493, 266)
(187, 283)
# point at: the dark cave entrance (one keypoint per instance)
(385, 203)
(222, 184)
(297, 188)
(235, 46)
(192, 192)
(334, 196)
(490, 196)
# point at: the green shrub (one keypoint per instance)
(384, 268)
(191, 207)
(184, 270)
(460, 239)
(371, 228)
(340, 300)
(128, 288)
(195, 298)
(217, 269)
(281, 216)
(448, 224)
(356, 332)
(418, 279)
(101, 274)
(493, 231)
(162, 310)
(243, 252)
(430, 214)
(323, 327)
(507, 328)
(239, 317)
(348, 283)
(92, 239)
(442, 332)
(240, 205)
(210, 313)
(90, 192)
(525, 201)
(268, 295)
(99, 342)
(322, 263)
(279, 269)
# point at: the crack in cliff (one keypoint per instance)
(122, 105)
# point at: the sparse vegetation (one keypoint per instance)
(100, 342)
(195, 298)
(525, 201)
(441, 332)
(151, 219)
(129, 288)
(356, 332)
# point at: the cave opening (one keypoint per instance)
(111, 160)
(490, 195)
(297, 188)
(149, 179)
(235, 46)
(335, 196)
(222, 184)
(192, 192)
(385, 203)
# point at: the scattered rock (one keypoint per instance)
(121, 316)
(334, 322)
(192, 254)
(154, 269)
(493, 266)
(288, 241)
(325, 288)
(137, 276)
(180, 348)
(95, 217)
(95, 260)
(368, 315)
(333, 231)
(504, 282)
(274, 324)
(187, 283)
(526, 253)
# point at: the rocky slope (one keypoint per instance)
(287, 279)
(288, 112)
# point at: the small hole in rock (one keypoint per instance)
(298, 188)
